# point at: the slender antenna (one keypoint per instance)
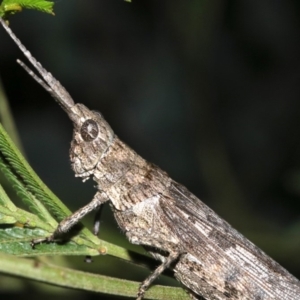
(39, 80)
(52, 85)
(36, 78)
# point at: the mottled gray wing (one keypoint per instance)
(223, 252)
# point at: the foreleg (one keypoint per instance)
(65, 225)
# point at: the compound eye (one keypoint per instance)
(89, 130)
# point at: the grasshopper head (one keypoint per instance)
(92, 137)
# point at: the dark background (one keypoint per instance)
(207, 90)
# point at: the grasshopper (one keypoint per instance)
(209, 257)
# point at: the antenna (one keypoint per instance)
(48, 82)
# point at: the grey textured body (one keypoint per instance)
(214, 260)
(208, 256)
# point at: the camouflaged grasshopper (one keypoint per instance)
(210, 258)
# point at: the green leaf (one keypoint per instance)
(16, 241)
(5, 201)
(35, 206)
(4, 219)
(8, 7)
(43, 271)
(26, 182)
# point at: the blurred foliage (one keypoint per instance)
(207, 90)
(8, 7)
